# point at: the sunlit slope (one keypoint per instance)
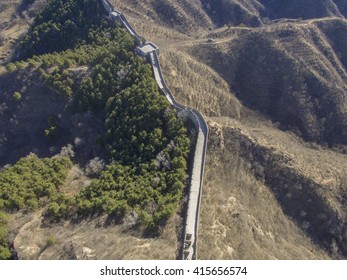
(293, 73)
(256, 165)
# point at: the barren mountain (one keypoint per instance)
(270, 78)
(294, 73)
(255, 156)
(191, 15)
(258, 12)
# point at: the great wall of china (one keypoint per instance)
(150, 51)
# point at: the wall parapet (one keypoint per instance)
(146, 48)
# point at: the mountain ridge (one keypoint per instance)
(221, 64)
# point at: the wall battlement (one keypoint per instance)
(148, 49)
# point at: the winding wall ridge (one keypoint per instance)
(192, 219)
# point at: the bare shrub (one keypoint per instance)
(95, 166)
(67, 151)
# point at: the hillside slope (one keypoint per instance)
(273, 92)
(258, 12)
(77, 90)
(190, 16)
(256, 166)
(294, 73)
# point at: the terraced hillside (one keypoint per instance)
(258, 12)
(271, 80)
(258, 149)
(189, 16)
(294, 73)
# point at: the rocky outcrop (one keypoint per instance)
(318, 208)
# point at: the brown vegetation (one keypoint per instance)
(15, 21)
(268, 193)
(294, 73)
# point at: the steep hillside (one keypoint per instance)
(272, 87)
(241, 216)
(279, 195)
(77, 89)
(266, 190)
(294, 73)
(29, 108)
(191, 16)
(186, 16)
(232, 12)
(258, 12)
(16, 17)
(304, 9)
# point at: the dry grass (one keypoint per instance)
(234, 193)
(240, 216)
(95, 237)
(293, 72)
(14, 24)
(198, 86)
(321, 164)
(185, 16)
(10, 28)
(247, 222)
(91, 239)
(75, 181)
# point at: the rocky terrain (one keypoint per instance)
(270, 78)
(293, 72)
(16, 17)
